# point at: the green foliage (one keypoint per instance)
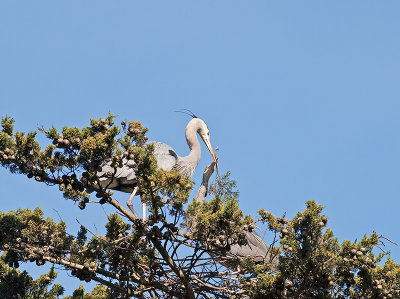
(173, 254)
(224, 187)
(99, 292)
(22, 228)
(219, 223)
(17, 284)
(7, 124)
(79, 292)
(81, 238)
(314, 264)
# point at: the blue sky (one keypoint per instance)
(301, 98)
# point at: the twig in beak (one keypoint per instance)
(216, 160)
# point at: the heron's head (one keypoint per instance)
(204, 133)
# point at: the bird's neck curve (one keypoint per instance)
(193, 142)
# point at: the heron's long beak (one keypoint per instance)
(208, 144)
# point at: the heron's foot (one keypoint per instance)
(129, 202)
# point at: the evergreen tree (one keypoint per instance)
(170, 254)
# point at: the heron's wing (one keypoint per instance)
(255, 241)
(255, 246)
(122, 178)
(165, 155)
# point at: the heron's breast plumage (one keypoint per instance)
(185, 168)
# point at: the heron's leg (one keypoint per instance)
(129, 202)
(238, 269)
(144, 211)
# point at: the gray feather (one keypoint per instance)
(255, 249)
(123, 178)
(165, 155)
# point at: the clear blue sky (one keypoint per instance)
(302, 98)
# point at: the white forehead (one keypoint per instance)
(198, 123)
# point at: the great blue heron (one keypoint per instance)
(256, 249)
(124, 178)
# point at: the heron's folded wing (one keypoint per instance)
(125, 173)
(165, 155)
(255, 246)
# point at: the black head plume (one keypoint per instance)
(186, 111)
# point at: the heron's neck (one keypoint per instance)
(194, 145)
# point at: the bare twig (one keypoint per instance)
(381, 236)
(86, 228)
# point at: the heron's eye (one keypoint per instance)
(208, 133)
